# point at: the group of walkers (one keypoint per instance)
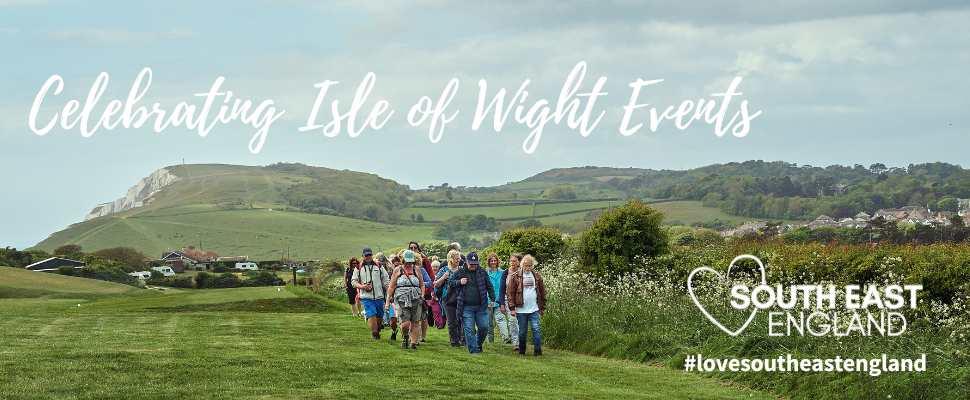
(414, 292)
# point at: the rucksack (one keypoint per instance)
(439, 317)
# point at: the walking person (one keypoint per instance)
(352, 265)
(436, 311)
(390, 319)
(406, 290)
(372, 281)
(474, 293)
(390, 313)
(496, 315)
(448, 298)
(457, 247)
(514, 260)
(424, 264)
(527, 294)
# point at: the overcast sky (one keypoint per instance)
(856, 82)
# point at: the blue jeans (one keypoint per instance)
(472, 317)
(525, 321)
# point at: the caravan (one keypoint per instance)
(247, 266)
(143, 275)
(164, 270)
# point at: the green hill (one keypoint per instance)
(259, 212)
(17, 283)
(257, 233)
(316, 213)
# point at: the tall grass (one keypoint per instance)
(649, 317)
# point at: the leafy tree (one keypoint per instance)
(72, 251)
(460, 226)
(12, 257)
(545, 244)
(126, 256)
(561, 192)
(619, 236)
(948, 204)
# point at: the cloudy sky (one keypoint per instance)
(863, 82)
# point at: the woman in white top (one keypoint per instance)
(527, 301)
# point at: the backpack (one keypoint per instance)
(438, 316)
(439, 291)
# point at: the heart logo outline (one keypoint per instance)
(754, 310)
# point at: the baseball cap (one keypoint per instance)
(472, 258)
(408, 256)
(368, 252)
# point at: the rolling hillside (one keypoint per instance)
(20, 283)
(258, 212)
(321, 213)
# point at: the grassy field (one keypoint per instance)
(690, 212)
(17, 282)
(523, 211)
(234, 344)
(259, 234)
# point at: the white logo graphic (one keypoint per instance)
(754, 310)
(812, 309)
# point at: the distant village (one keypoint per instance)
(915, 215)
(178, 261)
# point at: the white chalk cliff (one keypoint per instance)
(137, 196)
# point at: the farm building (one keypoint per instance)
(53, 264)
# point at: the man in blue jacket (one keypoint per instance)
(474, 294)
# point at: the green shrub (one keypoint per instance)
(545, 244)
(184, 282)
(106, 273)
(125, 256)
(226, 280)
(612, 243)
(263, 278)
(12, 257)
(203, 280)
(71, 251)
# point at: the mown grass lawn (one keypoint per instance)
(152, 345)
